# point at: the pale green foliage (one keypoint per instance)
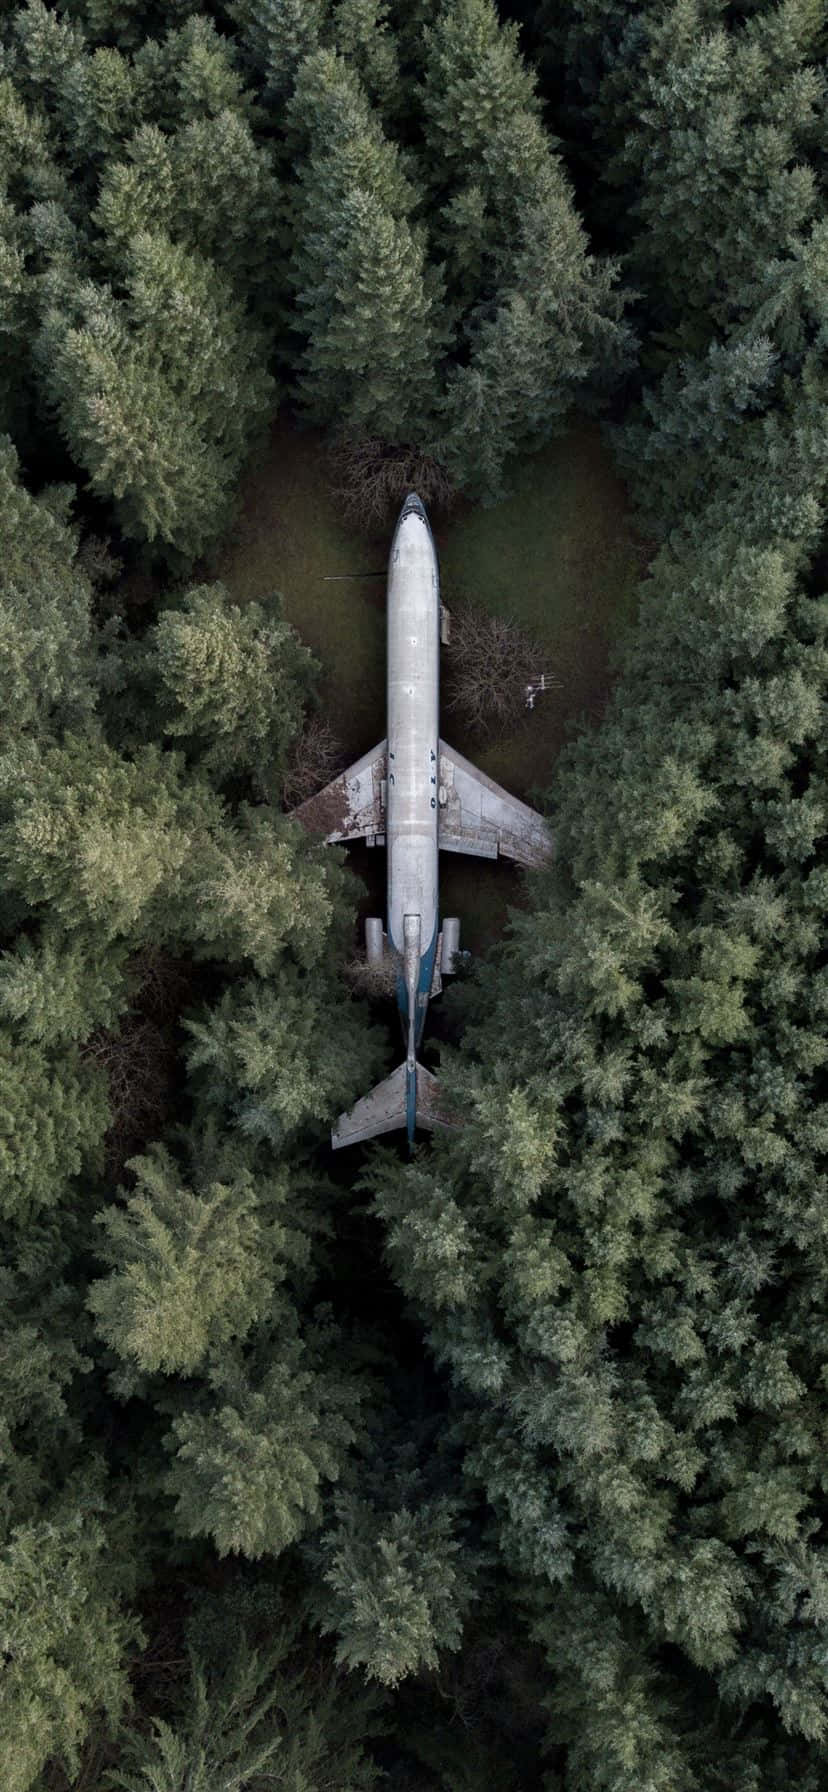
(158, 392)
(61, 986)
(232, 682)
(132, 849)
(357, 268)
(63, 1636)
(53, 1115)
(256, 888)
(100, 840)
(399, 1589)
(190, 1268)
(249, 1466)
(283, 1054)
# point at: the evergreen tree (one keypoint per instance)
(231, 682)
(357, 268)
(50, 663)
(536, 316)
(398, 1586)
(53, 1115)
(64, 1633)
(719, 156)
(283, 1054)
(250, 1712)
(189, 1268)
(158, 393)
(211, 189)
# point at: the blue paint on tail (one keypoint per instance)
(411, 1101)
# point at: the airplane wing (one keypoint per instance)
(478, 816)
(352, 806)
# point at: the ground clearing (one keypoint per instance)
(559, 555)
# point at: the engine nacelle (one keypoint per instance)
(450, 949)
(374, 940)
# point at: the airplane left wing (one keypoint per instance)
(352, 806)
(478, 816)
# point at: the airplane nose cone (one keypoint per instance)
(413, 506)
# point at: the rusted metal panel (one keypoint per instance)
(351, 806)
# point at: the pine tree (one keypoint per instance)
(719, 156)
(357, 269)
(535, 315)
(252, 1712)
(64, 1632)
(231, 682)
(210, 188)
(49, 659)
(399, 1588)
(252, 1454)
(189, 1268)
(53, 1115)
(159, 393)
(283, 1054)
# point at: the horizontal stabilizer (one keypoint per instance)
(384, 1109)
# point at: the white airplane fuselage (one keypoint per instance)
(413, 762)
(416, 796)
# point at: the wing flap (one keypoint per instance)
(352, 806)
(478, 816)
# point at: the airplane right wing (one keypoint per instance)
(478, 816)
(352, 806)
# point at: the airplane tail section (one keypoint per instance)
(409, 1097)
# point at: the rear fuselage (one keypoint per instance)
(413, 759)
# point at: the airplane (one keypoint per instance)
(417, 797)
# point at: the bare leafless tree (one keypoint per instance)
(138, 1060)
(315, 757)
(376, 981)
(371, 477)
(490, 664)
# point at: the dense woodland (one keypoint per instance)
(502, 1468)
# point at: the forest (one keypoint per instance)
(500, 1467)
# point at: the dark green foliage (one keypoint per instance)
(357, 268)
(536, 316)
(539, 1439)
(49, 666)
(632, 1218)
(157, 393)
(269, 1713)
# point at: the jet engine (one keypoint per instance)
(374, 940)
(450, 949)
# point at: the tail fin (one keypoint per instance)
(409, 1097)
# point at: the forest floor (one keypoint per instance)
(559, 556)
